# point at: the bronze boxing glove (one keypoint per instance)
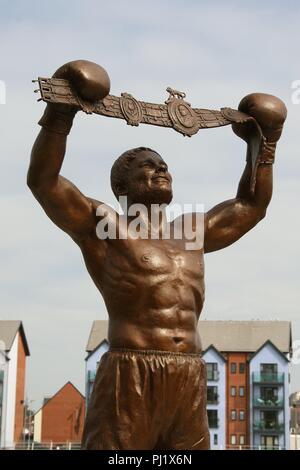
(91, 83)
(270, 113)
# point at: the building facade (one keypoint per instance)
(96, 346)
(269, 398)
(237, 399)
(257, 356)
(13, 353)
(216, 389)
(61, 419)
(247, 380)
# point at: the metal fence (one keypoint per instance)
(77, 446)
(45, 446)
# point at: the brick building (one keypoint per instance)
(60, 420)
(13, 353)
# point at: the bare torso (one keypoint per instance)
(153, 291)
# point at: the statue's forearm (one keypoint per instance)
(263, 188)
(46, 158)
(50, 146)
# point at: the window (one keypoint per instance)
(242, 391)
(268, 368)
(233, 367)
(242, 440)
(233, 439)
(242, 368)
(269, 419)
(269, 442)
(215, 439)
(212, 370)
(232, 391)
(269, 395)
(268, 372)
(233, 415)
(212, 416)
(242, 415)
(212, 395)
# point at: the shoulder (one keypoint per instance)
(103, 212)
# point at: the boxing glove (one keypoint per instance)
(91, 83)
(270, 113)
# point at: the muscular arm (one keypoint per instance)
(230, 220)
(66, 206)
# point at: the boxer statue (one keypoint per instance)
(150, 388)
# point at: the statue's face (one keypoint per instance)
(149, 181)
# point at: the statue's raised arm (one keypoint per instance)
(67, 207)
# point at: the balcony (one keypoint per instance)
(91, 375)
(268, 404)
(270, 428)
(268, 378)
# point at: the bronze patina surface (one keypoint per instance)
(150, 389)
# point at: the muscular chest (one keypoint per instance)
(159, 257)
(137, 261)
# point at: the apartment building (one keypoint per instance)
(13, 353)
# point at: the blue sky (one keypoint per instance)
(217, 52)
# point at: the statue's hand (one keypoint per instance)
(91, 83)
(90, 80)
(268, 110)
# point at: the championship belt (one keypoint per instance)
(175, 113)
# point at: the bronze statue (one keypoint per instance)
(150, 388)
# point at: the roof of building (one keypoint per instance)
(96, 348)
(245, 336)
(8, 331)
(268, 342)
(97, 335)
(225, 336)
(48, 399)
(212, 348)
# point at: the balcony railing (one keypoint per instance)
(91, 375)
(261, 403)
(263, 426)
(263, 377)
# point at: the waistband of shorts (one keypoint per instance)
(154, 352)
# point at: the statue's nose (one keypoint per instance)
(161, 169)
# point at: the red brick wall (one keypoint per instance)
(63, 416)
(20, 391)
(237, 403)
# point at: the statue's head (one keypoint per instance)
(141, 175)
